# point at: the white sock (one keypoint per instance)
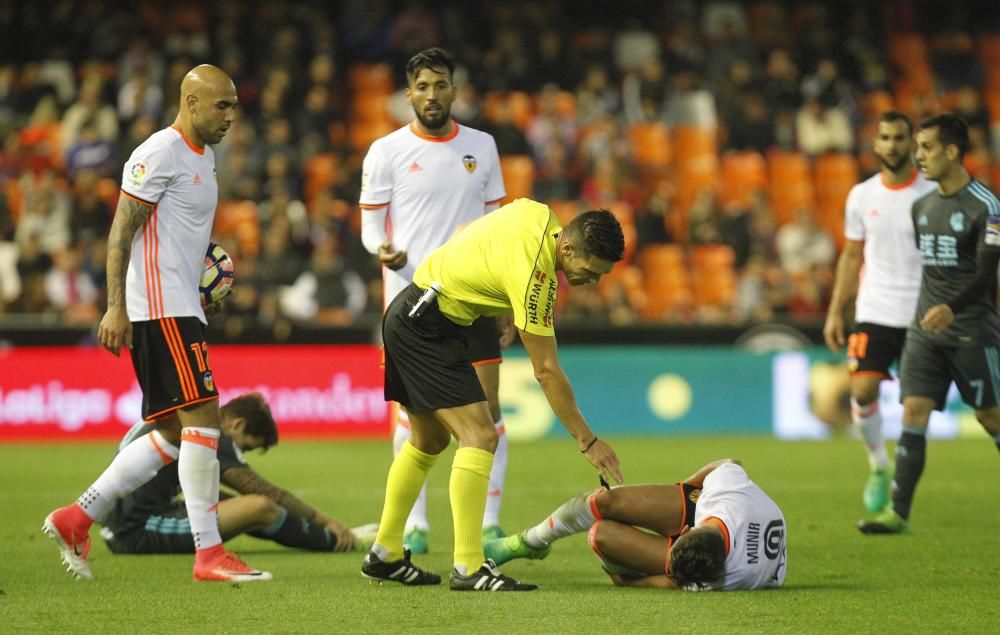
(575, 515)
(135, 464)
(418, 515)
(868, 421)
(498, 474)
(198, 470)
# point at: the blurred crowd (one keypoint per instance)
(724, 135)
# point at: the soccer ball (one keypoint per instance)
(217, 277)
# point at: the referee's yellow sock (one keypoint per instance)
(406, 477)
(470, 479)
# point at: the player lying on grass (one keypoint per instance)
(716, 530)
(152, 520)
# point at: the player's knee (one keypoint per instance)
(263, 508)
(605, 501)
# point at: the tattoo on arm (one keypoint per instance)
(245, 481)
(129, 217)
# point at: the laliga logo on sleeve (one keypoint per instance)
(136, 173)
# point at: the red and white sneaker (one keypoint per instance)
(74, 543)
(228, 567)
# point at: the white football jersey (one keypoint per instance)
(178, 179)
(753, 524)
(430, 186)
(878, 214)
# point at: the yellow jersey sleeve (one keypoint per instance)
(504, 261)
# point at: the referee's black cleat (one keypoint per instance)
(487, 578)
(402, 570)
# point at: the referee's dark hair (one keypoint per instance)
(438, 60)
(890, 116)
(952, 130)
(257, 414)
(599, 234)
(697, 559)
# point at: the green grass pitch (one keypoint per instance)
(943, 577)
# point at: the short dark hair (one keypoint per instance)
(697, 559)
(952, 130)
(257, 413)
(436, 59)
(890, 116)
(599, 234)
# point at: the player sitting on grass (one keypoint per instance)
(152, 520)
(716, 530)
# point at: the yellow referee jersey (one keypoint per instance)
(501, 262)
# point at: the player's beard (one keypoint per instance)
(894, 167)
(435, 122)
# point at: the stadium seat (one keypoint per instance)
(742, 174)
(375, 79)
(239, 219)
(835, 175)
(361, 134)
(666, 281)
(320, 172)
(650, 146)
(522, 108)
(790, 183)
(694, 142)
(565, 211)
(876, 102)
(518, 175)
(714, 275)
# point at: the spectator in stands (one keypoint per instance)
(803, 245)
(327, 292)
(510, 139)
(70, 290)
(752, 127)
(644, 92)
(595, 97)
(822, 127)
(89, 108)
(46, 214)
(90, 153)
(550, 126)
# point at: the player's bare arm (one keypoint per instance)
(391, 258)
(246, 481)
(648, 582)
(698, 478)
(115, 328)
(559, 393)
(845, 286)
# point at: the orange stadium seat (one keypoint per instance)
(239, 219)
(518, 175)
(790, 183)
(835, 175)
(650, 145)
(374, 79)
(361, 134)
(714, 275)
(877, 102)
(565, 211)
(320, 172)
(694, 142)
(742, 174)
(522, 108)
(666, 281)
(370, 107)
(566, 104)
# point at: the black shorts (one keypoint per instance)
(928, 368)
(872, 348)
(168, 530)
(427, 361)
(170, 358)
(483, 338)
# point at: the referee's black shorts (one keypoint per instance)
(427, 361)
(170, 358)
(483, 337)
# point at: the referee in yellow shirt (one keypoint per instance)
(505, 261)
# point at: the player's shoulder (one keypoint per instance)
(475, 134)
(984, 197)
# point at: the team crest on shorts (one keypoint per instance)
(694, 495)
(209, 381)
(469, 162)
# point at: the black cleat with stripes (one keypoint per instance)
(402, 570)
(487, 578)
